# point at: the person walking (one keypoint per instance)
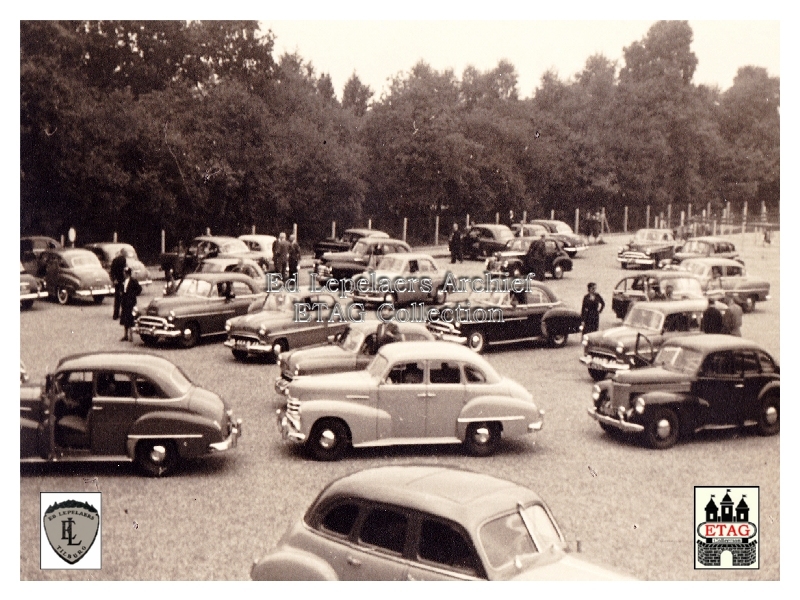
(117, 272)
(294, 256)
(456, 245)
(732, 318)
(593, 305)
(712, 319)
(130, 290)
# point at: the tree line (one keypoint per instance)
(140, 126)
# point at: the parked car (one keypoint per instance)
(700, 382)
(516, 259)
(30, 288)
(531, 230)
(485, 239)
(705, 246)
(366, 253)
(122, 406)
(75, 273)
(654, 285)
(616, 349)
(177, 264)
(262, 245)
(348, 350)
(652, 248)
(573, 242)
(245, 266)
(409, 522)
(199, 307)
(503, 315)
(277, 324)
(408, 277)
(411, 393)
(107, 251)
(31, 248)
(731, 277)
(346, 241)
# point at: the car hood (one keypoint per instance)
(327, 386)
(207, 404)
(162, 306)
(329, 358)
(342, 257)
(559, 566)
(254, 321)
(609, 338)
(652, 375)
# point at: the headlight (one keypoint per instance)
(620, 348)
(296, 370)
(596, 392)
(171, 316)
(647, 251)
(638, 405)
(505, 264)
(262, 330)
(227, 325)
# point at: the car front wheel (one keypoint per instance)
(597, 374)
(769, 420)
(191, 335)
(662, 429)
(62, 295)
(476, 341)
(482, 438)
(558, 272)
(156, 458)
(557, 340)
(749, 304)
(99, 299)
(329, 440)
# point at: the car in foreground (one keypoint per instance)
(75, 273)
(401, 278)
(505, 315)
(260, 245)
(731, 277)
(348, 350)
(517, 261)
(573, 242)
(366, 253)
(199, 306)
(411, 393)
(656, 284)
(107, 251)
(122, 406)
(618, 348)
(346, 241)
(701, 382)
(484, 239)
(651, 248)
(30, 288)
(418, 523)
(285, 320)
(705, 246)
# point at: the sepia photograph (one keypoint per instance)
(426, 296)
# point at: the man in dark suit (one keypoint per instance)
(117, 272)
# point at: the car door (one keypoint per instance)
(536, 304)
(757, 371)
(719, 388)
(114, 409)
(446, 397)
(381, 543)
(403, 395)
(330, 322)
(441, 550)
(627, 291)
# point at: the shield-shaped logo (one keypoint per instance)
(71, 528)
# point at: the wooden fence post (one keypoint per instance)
(436, 232)
(577, 220)
(625, 220)
(163, 241)
(405, 227)
(333, 229)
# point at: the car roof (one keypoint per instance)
(109, 245)
(367, 232)
(665, 274)
(39, 238)
(382, 240)
(120, 360)
(493, 226)
(713, 260)
(256, 236)
(434, 350)
(218, 277)
(709, 238)
(454, 494)
(714, 342)
(215, 238)
(69, 252)
(230, 260)
(371, 326)
(409, 255)
(674, 306)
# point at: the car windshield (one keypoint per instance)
(209, 267)
(683, 285)
(504, 234)
(85, 260)
(562, 227)
(652, 236)
(280, 302)
(392, 264)
(644, 318)
(378, 366)
(695, 246)
(193, 287)
(519, 244)
(360, 248)
(682, 360)
(351, 340)
(233, 247)
(518, 537)
(698, 269)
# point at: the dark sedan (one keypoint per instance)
(107, 251)
(573, 242)
(485, 239)
(75, 273)
(654, 285)
(517, 259)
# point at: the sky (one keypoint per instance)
(378, 50)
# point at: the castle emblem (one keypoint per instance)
(726, 536)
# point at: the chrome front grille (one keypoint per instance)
(293, 408)
(150, 321)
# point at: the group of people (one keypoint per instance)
(126, 289)
(286, 255)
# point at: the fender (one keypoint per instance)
(288, 564)
(772, 386)
(565, 262)
(561, 320)
(513, 414)
(661, 398)
(192, 433)
(364, 420)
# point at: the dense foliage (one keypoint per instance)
(135, 127)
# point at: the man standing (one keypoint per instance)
(732, 318)
(117, 273)
(712, 319)
(593, 305)
(294, 256)
(538, 258)
(130, 290)
(456, 250)
(280, 253)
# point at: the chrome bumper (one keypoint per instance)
(609, 365)
(281, 385)
(637, 260)
(102, 291)
(33, 295)
(248, 346)
(614, 422)
(289, 430)
(230, 441)
(161, 332)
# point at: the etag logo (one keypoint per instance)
(726, 528)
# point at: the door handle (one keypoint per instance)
(97, 408)
(351, 560)
(422, 395)
(739, 385)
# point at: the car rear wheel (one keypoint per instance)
(769, 420)
(329, 440)
(476, 341)
(156, 458)
(99, 299)
(662, 429)
(482, 438)
(597, 374)
(558, 272)
(749, 304)
(191, 335)
(62, 295)
(557, 340)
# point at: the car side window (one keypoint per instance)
(385, 529)
(747, 363)
(114, 385)
(147, 389)
(719, 364)
(407, 373)
(677, 322)
(442, 544)
(340, 519)
(767, 364)
(474, 374)
(444, 372)
(536, 296)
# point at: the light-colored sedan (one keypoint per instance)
(401, 278)
(731, 276)
(411, 393)
(262, 245)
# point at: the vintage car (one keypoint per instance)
(349, 350)
(655, 284)
(30, 288)
(107, 251)
(346, 241)
(573, 242)
(507, 315)
(516, 259)
(730, 276)
(485, 239)
(31, 248)
(401, 279)
(700, 382)
(705, 246)
(177, 264)
(411, 393)
(533, 230)
(653, 248)
(261, 245)
(618, 349)
(122, 406)
(199, 307)
(415, 522)
(285, 320)
(245, 266)
(75, 273)
(366, 253)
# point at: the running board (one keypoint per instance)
(77, 458)
(721, 427)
